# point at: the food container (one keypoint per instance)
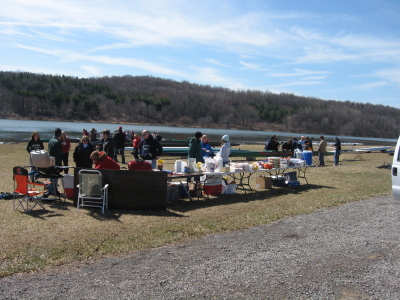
(160, 164)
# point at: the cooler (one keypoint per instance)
(212, 184)
(213, 189)
(308, 157)
(68, 183)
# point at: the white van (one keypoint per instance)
(396, 172)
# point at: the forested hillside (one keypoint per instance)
(151, 100)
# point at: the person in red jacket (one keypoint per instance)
(102, 161)
(136, 145)
(66, 145)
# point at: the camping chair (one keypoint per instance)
(91, 191)
(25, 196)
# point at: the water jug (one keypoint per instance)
(219, 165)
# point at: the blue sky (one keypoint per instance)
(336, 50)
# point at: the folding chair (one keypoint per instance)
(25, 196)
(91, 191)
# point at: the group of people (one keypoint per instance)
(290, 145)
(103, 154)
(200, 148)
(304, 144)
(90, 150)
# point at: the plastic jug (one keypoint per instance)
(179, 166)
(210, 167)
(218, 167)
(192, 163)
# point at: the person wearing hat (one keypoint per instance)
(55, 150)
(338, 147)
(225, 149)
(119, 143)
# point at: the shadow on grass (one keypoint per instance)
(180, 206)
(51, 208)
(114, 215)
(184, 205)
(42, 213)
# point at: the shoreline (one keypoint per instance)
(172, 131)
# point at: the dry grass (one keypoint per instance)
(62, 235)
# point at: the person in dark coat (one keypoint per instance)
(195, 148)
(287, 146)
(271, 144)
(55, 150)
(106, 144)
(150, 148)
(93, 135)
(119, 144)
(82, 153)
(308, 144)
(296, 144)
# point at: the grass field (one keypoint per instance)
(61, 235)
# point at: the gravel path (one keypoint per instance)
(346, 252)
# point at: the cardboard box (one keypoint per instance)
(263, 182)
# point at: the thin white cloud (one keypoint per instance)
(253, 66)
(212, 76)
(93, 70)
(314, 77)
(216, 62)
(369, 85)
(42, 70)
(390, 75)
(169, 37)
(294, 83)
(51, 37)
(299, 72)
(68, 56)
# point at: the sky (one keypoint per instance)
(346, 50)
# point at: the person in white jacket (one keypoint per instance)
(225, 149)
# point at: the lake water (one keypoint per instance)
(18, 130)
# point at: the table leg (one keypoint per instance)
(243, 181)
(302, 173)
(186, 190)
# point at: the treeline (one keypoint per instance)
(151, 100)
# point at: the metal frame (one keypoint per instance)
(25, 196)
(97, 196)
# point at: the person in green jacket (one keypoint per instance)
(195, 149)
(55, 150)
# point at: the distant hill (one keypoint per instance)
(151, 100)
